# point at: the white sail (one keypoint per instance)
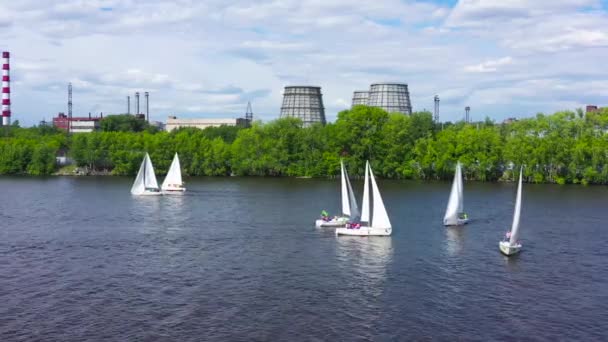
(149, 176)
(345, 204)
(517, 213)
(354, 209)
(460, 189)
(138, 186)
(379, 216)
(174, 176)
(365, 201)
(451, 212)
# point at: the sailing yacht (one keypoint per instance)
(454, 213)
(350, 211)
(173, 183)
(379, 224)
(145, 183)
(510, 245)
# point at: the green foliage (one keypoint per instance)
(566, 147)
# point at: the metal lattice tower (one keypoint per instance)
(304, 102)
(360, 97)
(69, 106)
(249, 113)
(436, 112)
(392, 97)
(467, 110)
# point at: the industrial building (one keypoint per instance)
(593, 109)
(304, 102)
(174, 123)
(392, 97)
(77, 124)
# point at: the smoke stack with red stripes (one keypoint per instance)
(6, 89)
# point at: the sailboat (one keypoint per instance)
(145, 183)
(173, 183)
(350, 211)
(379, 224)
(454, 213)
(510, 245)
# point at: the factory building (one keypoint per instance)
(392, 97)
(304, 102)
(174, 123)
(77, 124)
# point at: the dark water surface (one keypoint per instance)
(240, 259)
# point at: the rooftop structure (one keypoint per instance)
(304, 102)
(592, 109)
(392, 97)
(174, 123)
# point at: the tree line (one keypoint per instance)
(565, 147)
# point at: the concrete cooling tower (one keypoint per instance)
(360, 97)
(392, 97)
(304, 102)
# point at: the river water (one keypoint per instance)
(239, 259)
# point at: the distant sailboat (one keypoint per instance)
(350, 211)
(510, 245)
(145, 183)
(173, 183)
(454, 213)
(379, 225)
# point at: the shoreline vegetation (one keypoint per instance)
(568, 147)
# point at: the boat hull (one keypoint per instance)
(508, 249)
(149, 193)
(333, 223)
(174, 191)
(364, 231)
(459, 222)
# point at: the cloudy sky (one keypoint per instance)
(208, 58)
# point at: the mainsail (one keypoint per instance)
(379, 217)
(345, 204)
(174, 176)
(354, 209)
(517, 213)
(455, 205)
(149, 176)
(365, 201)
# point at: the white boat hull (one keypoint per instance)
(364, 231)
(333, 223)
(149, 193)
(508, 249)
(459, 222)
(174, 191)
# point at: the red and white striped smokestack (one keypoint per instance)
(6, 89)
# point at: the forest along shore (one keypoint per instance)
(565, 147)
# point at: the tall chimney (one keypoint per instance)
(128, 104)
(137, 103)
(147, 106)
(6, 89)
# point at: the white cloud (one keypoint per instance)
(489, 66)
(211, 57)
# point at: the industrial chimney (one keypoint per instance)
(6, 89)
(137, 103)
(147, 95)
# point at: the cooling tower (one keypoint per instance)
(304, 102)
(360, 97)
(392, 97)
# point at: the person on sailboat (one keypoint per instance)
(508, 236)
(324, 215)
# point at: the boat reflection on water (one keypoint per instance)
(366, 259)
(454, 240)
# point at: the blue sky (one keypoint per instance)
(502, 58)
